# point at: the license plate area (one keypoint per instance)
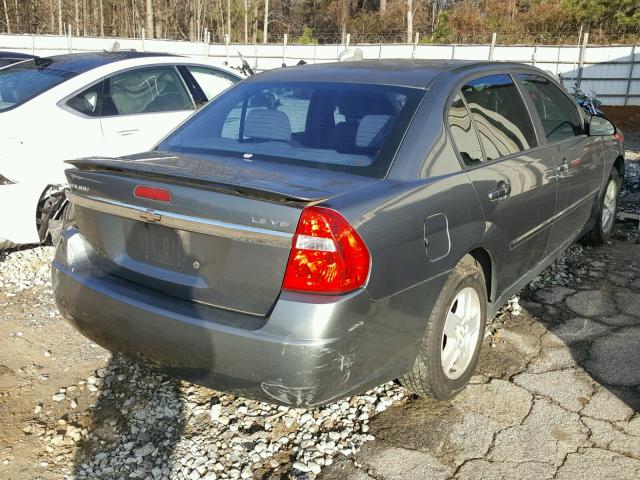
(158, 245)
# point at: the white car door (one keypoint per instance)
(141, 106)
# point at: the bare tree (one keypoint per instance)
(383, 5)
(409, 21)
(246, 22)
(149, 19)
(59, 17)
(266, 21)
(6, 16)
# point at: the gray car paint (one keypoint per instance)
(418, 222)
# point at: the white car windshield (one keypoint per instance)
(26, 80)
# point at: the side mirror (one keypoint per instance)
(600, 126)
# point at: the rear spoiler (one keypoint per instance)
(208, 175)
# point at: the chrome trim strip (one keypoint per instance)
(235, 231)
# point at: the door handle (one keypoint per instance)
(502, 192)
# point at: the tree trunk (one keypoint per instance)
(409, 21)
(77, 16)
(246, 21)
(254, 29)
(149, 16)
(59, 17)
(229, 19)
(383, 5)
(266, 21)
(6, 16)
(100, 7)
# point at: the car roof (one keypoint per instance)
(6, 54)
(399, 72)
(83, 62)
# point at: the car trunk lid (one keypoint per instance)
(224, 237)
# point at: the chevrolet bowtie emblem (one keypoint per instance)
(150, 216)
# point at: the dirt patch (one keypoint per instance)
(627, 118)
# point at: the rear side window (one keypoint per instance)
(500, 115)
(348, 127)
(88, 101)
(145, 90)
(211, 81)
(463, 134)
(559, 115)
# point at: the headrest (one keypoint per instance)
(265, 124)
(359, 104)
(372, 130)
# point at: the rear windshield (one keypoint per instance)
(25, 80)
(354, 128)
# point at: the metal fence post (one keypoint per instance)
(535, 55)
(284, 49)
(415, 44)
(255, 57)
(315, 52)
(226, 41)
(631, 78)
(143, 35)
(206, 43)
(494, 35)
(380, 52)
(583, 51)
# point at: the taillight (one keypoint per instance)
(152, 193)
(619, 137)
(328, 255)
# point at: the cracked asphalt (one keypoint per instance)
(555, 397)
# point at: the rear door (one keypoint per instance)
(141, 106)
(578, 157)
(512, 175)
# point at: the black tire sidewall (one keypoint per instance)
(464, 275)
(604, 236)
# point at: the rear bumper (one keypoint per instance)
(309, 350)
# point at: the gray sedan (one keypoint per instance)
(316, 231)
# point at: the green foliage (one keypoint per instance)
(306, 38)
(444, 32)
(624, 13)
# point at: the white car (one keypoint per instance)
(92, 104)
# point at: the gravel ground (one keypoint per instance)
(69, 409)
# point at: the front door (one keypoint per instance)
(141, 106)
(513, 177)
(579, 160)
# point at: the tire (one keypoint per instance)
(605, 216)
(428, 377)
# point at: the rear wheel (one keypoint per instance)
(606, 213)
(451, 345)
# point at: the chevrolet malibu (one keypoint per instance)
(316, 231)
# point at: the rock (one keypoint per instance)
(147, 449)
(58, 397)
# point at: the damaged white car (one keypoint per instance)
(70, 106)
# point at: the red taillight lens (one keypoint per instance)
(152, 193)
(328, 255)
(619, 137)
